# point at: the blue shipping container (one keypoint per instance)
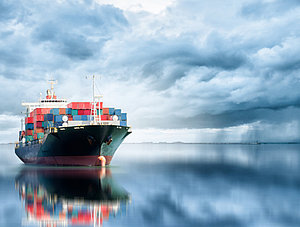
(56, 124)
(58, 118)
(84, 117)
(68, 111)
(29, 126)
(54, 111)
(124, 116)
(76, 117)
(123, 123)
(118, 112)
(90, 118)
(48, 117)
(48, 124)
(111, 111)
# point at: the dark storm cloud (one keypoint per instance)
(74, 30)
(189, 55)
(42, 37)
(168, 60)
(228, 119)
(79, 32)
(6, 10)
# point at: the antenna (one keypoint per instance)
(92, 78)
(22, 124)
(93, 88)
(52, 82)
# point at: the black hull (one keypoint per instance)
(80, 145)
(88, 184)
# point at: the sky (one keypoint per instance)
(183, 70)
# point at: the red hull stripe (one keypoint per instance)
(68, 160)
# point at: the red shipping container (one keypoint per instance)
(81, 106)
(28, 120)
(38, 111)
(29, 132)
(104, 117)
(39, 117)
(87, 105)
(62, 111)
(80, 112)
(73, 105)
(105, 111)
(35, 136)
(46, 110)
(87, 112)
(39, 124)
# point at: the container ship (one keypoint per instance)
(70, 196)
(76, 133)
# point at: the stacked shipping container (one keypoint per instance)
(43, 118)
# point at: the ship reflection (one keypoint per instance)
(69, 196)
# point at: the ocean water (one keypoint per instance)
(158, 185)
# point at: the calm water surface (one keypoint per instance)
(158, 185)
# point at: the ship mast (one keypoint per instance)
(52, 82)
(94, 104)
(96, 99)
(22, 124)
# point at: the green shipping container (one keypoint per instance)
(40, 135)
(74, 112)
(29, 138)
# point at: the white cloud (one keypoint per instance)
(153, 6)
(9, 128)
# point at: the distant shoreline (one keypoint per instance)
(229, 143)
